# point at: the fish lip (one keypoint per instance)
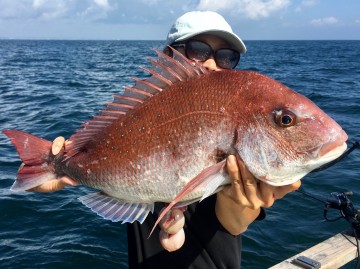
(334, 146)
(329, 146)
(334, 152)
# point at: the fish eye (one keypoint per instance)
(284, 118)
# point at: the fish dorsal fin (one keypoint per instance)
(165, 71)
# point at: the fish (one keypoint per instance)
(166, 139)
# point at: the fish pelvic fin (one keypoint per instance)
(34, 152)
(115, 209)
(210, 178)
(165, 71)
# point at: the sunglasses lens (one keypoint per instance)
(201, 51)
(197, 50)
(227, 58)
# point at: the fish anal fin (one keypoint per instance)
(115, 209)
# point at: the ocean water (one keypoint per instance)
(49, 88)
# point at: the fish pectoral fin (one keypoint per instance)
(115, 209)
(185, 203)
(210, 178)
(214, 183)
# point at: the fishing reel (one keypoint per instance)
(342, 202)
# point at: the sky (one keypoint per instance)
(151, 19)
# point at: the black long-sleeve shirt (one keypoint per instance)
(207, 243)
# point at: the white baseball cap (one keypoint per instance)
(203, 22)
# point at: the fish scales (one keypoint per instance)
(166, 139)
(171, 132)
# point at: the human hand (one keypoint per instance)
(172, 235)
(241, 201)
(55, 184)
(238, 205)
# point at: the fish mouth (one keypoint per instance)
(335, 147)
(321, 155)
(334, 152)
(331, 151)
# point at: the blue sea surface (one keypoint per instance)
(48, 88)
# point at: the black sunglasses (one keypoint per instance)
(201, 51)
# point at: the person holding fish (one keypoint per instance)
(205, 234)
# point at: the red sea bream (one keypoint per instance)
(166, 138)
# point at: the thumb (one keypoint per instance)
(57, 145)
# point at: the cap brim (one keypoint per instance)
(230, 38)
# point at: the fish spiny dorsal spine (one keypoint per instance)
(165, 71)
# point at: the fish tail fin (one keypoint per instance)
(34, 152)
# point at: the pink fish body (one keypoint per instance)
(166, 138)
